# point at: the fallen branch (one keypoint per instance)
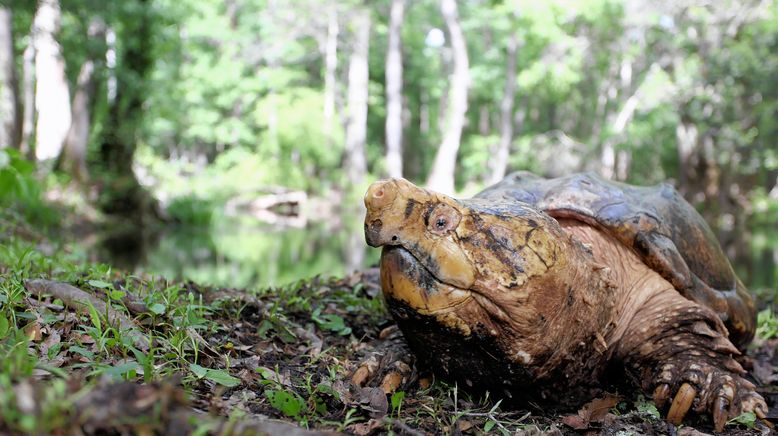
(81, 300)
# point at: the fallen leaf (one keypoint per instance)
(366, 370)
(687, 431)
(374, 401)
(365, 428)
(360, 376)
(33, 331)
(53, 339)
(425, 382)
(575, 422)
(391, 382)
(388, 331)
(597, 409)
(464, 425)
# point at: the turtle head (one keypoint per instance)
(478, 248)
(484, 273)
(423, 222)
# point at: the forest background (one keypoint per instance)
(204, 112)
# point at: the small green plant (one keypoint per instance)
(747, 419)
(397, 402)
(767, 324)
(648, 408)
(218, 376)
(286, 402)
(330, 322)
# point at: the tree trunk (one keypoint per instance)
(330, 72)
(73, 159)
(498, 162)
(394, 85)
(121, 193)
(10, 113)
(28, 102)
(52, 96)
(356, 127)
(442, 175)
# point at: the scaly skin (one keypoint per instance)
(670, 345)
(500, 296)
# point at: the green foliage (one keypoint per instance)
(217, 376)
(648, 408)
(767, 324)
(288, 403)
(20, 189)
(747, 419)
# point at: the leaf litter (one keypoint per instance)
(143, 355)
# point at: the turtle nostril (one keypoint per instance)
(394, 238)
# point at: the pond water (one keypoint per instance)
(247, 254)
(244, 253)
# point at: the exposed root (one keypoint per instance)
(81, 300)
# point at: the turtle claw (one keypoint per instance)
(709, 389)
(661, 394)
(681, 403)
(720, 412)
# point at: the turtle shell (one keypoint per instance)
(658, 224)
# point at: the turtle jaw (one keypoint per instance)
(406, 280)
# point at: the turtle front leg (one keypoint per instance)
(677, 349)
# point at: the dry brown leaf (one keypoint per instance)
(391, 382)
(388, 331)
(53, 339)
(360, 376)
(464, 425)
(575, 422)
(598, 408)
(366, 370)
(594, 411)
(33, 331)
(374, 400)
(366, 428)
(425, 382)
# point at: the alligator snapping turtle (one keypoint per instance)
(537, 289)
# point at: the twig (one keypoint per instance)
(403, 428)
(81, 300)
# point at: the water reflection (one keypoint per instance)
(246, 254)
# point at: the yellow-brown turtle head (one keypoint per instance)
(493, 275)
(474, 248)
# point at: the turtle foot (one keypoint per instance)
(705, 388)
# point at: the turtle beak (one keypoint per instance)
(380, 197)
(373, 233)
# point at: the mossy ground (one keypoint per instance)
(321, 354)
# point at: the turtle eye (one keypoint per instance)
(443, 219)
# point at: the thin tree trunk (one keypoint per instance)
(484, 120)
(394, 85)
(330, 72)
(442, 175)
(73, 159)
(356, 127)
(28, 102)
(52, 96)
(498, 164)
(10, 112)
